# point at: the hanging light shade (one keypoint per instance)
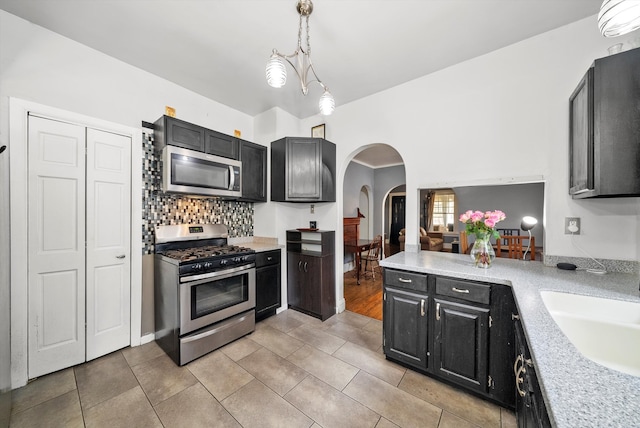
(326, 104)
(276, 70)
(618, 17)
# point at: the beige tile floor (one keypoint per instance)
(293, 371)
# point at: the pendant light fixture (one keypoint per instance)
(618, 17)
(276, 70)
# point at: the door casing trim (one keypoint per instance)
(18, 183)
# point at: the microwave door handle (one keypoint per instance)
(232, 178)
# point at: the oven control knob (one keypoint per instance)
(236, 259)
(197, 266)
(223, 262)
(207, 265)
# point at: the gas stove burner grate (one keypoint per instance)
(197, 253)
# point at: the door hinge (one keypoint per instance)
(490, 321)
(490, 382)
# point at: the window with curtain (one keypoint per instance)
(444, 209)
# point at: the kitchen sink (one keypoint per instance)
(604, 330)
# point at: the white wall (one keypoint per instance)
(40, 66)
(499, 118)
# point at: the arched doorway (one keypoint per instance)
(372, 173)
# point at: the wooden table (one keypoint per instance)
(357, 248)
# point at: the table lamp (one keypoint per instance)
(527, 224)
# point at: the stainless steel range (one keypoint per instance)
(205, 290)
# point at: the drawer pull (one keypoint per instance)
(269, 259)
(422, 307)
(407, 281)
(460, 290)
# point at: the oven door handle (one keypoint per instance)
(206, 277)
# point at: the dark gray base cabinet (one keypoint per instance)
(454, 330)
(405, 334)
(268, 284)
(531, 411)
(461, 345)
(311, 273)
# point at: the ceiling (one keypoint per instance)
(219, 48)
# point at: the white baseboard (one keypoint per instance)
(149, 337)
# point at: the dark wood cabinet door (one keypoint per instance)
(581, 136)
(184, 134)
(304, 169)
(405, 326)
(219, 144)
(267, 290)
(254, 171)
(531, 411)
(294, 279)
(461, 343)
(312, 283)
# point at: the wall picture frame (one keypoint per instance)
(318, 131)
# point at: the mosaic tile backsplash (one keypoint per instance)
(161, 208)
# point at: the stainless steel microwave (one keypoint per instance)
(195, 173)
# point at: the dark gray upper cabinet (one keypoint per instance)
(175, 132)
(219, 144)
(303, 170)
(604, 132)
(254, 171)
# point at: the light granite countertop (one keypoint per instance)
(578, 392)
(257, 243)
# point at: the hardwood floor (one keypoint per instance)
(366, 298)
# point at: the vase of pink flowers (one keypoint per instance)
(482, 225)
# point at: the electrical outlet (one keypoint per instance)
(313, 209)
(572, 225)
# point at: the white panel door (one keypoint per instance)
(108, 242)
(56, 240)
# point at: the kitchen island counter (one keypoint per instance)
(577, 391)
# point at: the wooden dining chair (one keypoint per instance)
(515, 246)
(464, 243)
(372, 256)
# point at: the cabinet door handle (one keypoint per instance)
(407, 281)
(300, 266)
(460, 290)
(269, 259)
(121, 256)
(422, 307)
(437, 311)
(305, 267)
(520, 380)
(515, 364)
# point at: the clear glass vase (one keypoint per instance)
(482, 252)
